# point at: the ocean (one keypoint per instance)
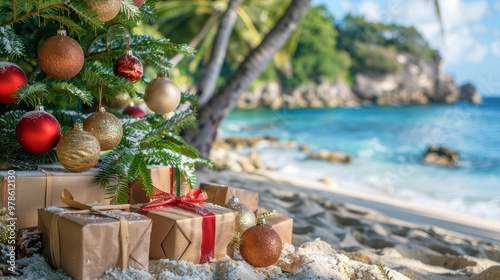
(387, 143)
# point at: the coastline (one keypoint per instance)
(404, 211)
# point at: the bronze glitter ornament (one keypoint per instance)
(78, 150)
(106, 9)
(105, 127)
(162, 95)
(260, 245)
(60, 56)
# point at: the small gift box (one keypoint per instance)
(185, 228)
(283, 225)
(41, 188)
(85, 243)
(165, 180)
(220, 195)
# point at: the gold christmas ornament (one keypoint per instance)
(78, 150)
(260, 245)
(106, 9)
(60, 56)
(105, 127)
(162, 95)
(245, 218)
(4, 221)
(121, 101)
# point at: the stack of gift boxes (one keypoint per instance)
(85, 236)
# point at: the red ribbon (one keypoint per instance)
(190, 202)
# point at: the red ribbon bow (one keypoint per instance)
(194, 196)
(190, 202)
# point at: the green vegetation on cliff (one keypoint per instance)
(317, 56)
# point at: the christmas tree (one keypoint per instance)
(75, 58)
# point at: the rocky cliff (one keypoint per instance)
(421, 81)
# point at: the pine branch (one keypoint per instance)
(34, 94)
(10, 44)
(72, 91)
(146, 179)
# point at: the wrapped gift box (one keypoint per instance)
(178, 233)
(220, 195)
(164, 182)
(283, 225)
(85, 244)
(41, 188)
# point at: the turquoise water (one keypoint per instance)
(387, 144)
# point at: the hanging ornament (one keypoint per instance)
(38, 131)
(4, 230)
(78, 150)
(135, 111)
(245, 218)
(139, 3)
(260, 245)
(11, 78)
(106, 9)
(162, 95)
(105, 127)
(60, 56)
(120, 101)
(128, 66)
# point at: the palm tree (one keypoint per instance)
(226, 97)
(195, 22)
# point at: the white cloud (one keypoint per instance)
(461, 20)
(370, 10)
(495, 48)
(497, 6)
(346, 5)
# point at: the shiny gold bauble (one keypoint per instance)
(260, 246)
(105, 127)
(121, 101)
(162, 95)
(78, 150)
(60, 56)
(245, 218)
(106, 9)
(4, 231)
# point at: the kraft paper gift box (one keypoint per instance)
(84, 243)
(41, 188)
(220, 195)
(164, 180)
(283, 225)
(185, 232)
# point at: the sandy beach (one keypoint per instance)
(421, 242)
(338, 234)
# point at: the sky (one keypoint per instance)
(470, 46)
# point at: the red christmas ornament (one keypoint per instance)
(128, 67)
(135, 111)
(11, 78)
(139, 3)
(38, 131)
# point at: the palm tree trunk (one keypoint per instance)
(227, 96)
(210, 73)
